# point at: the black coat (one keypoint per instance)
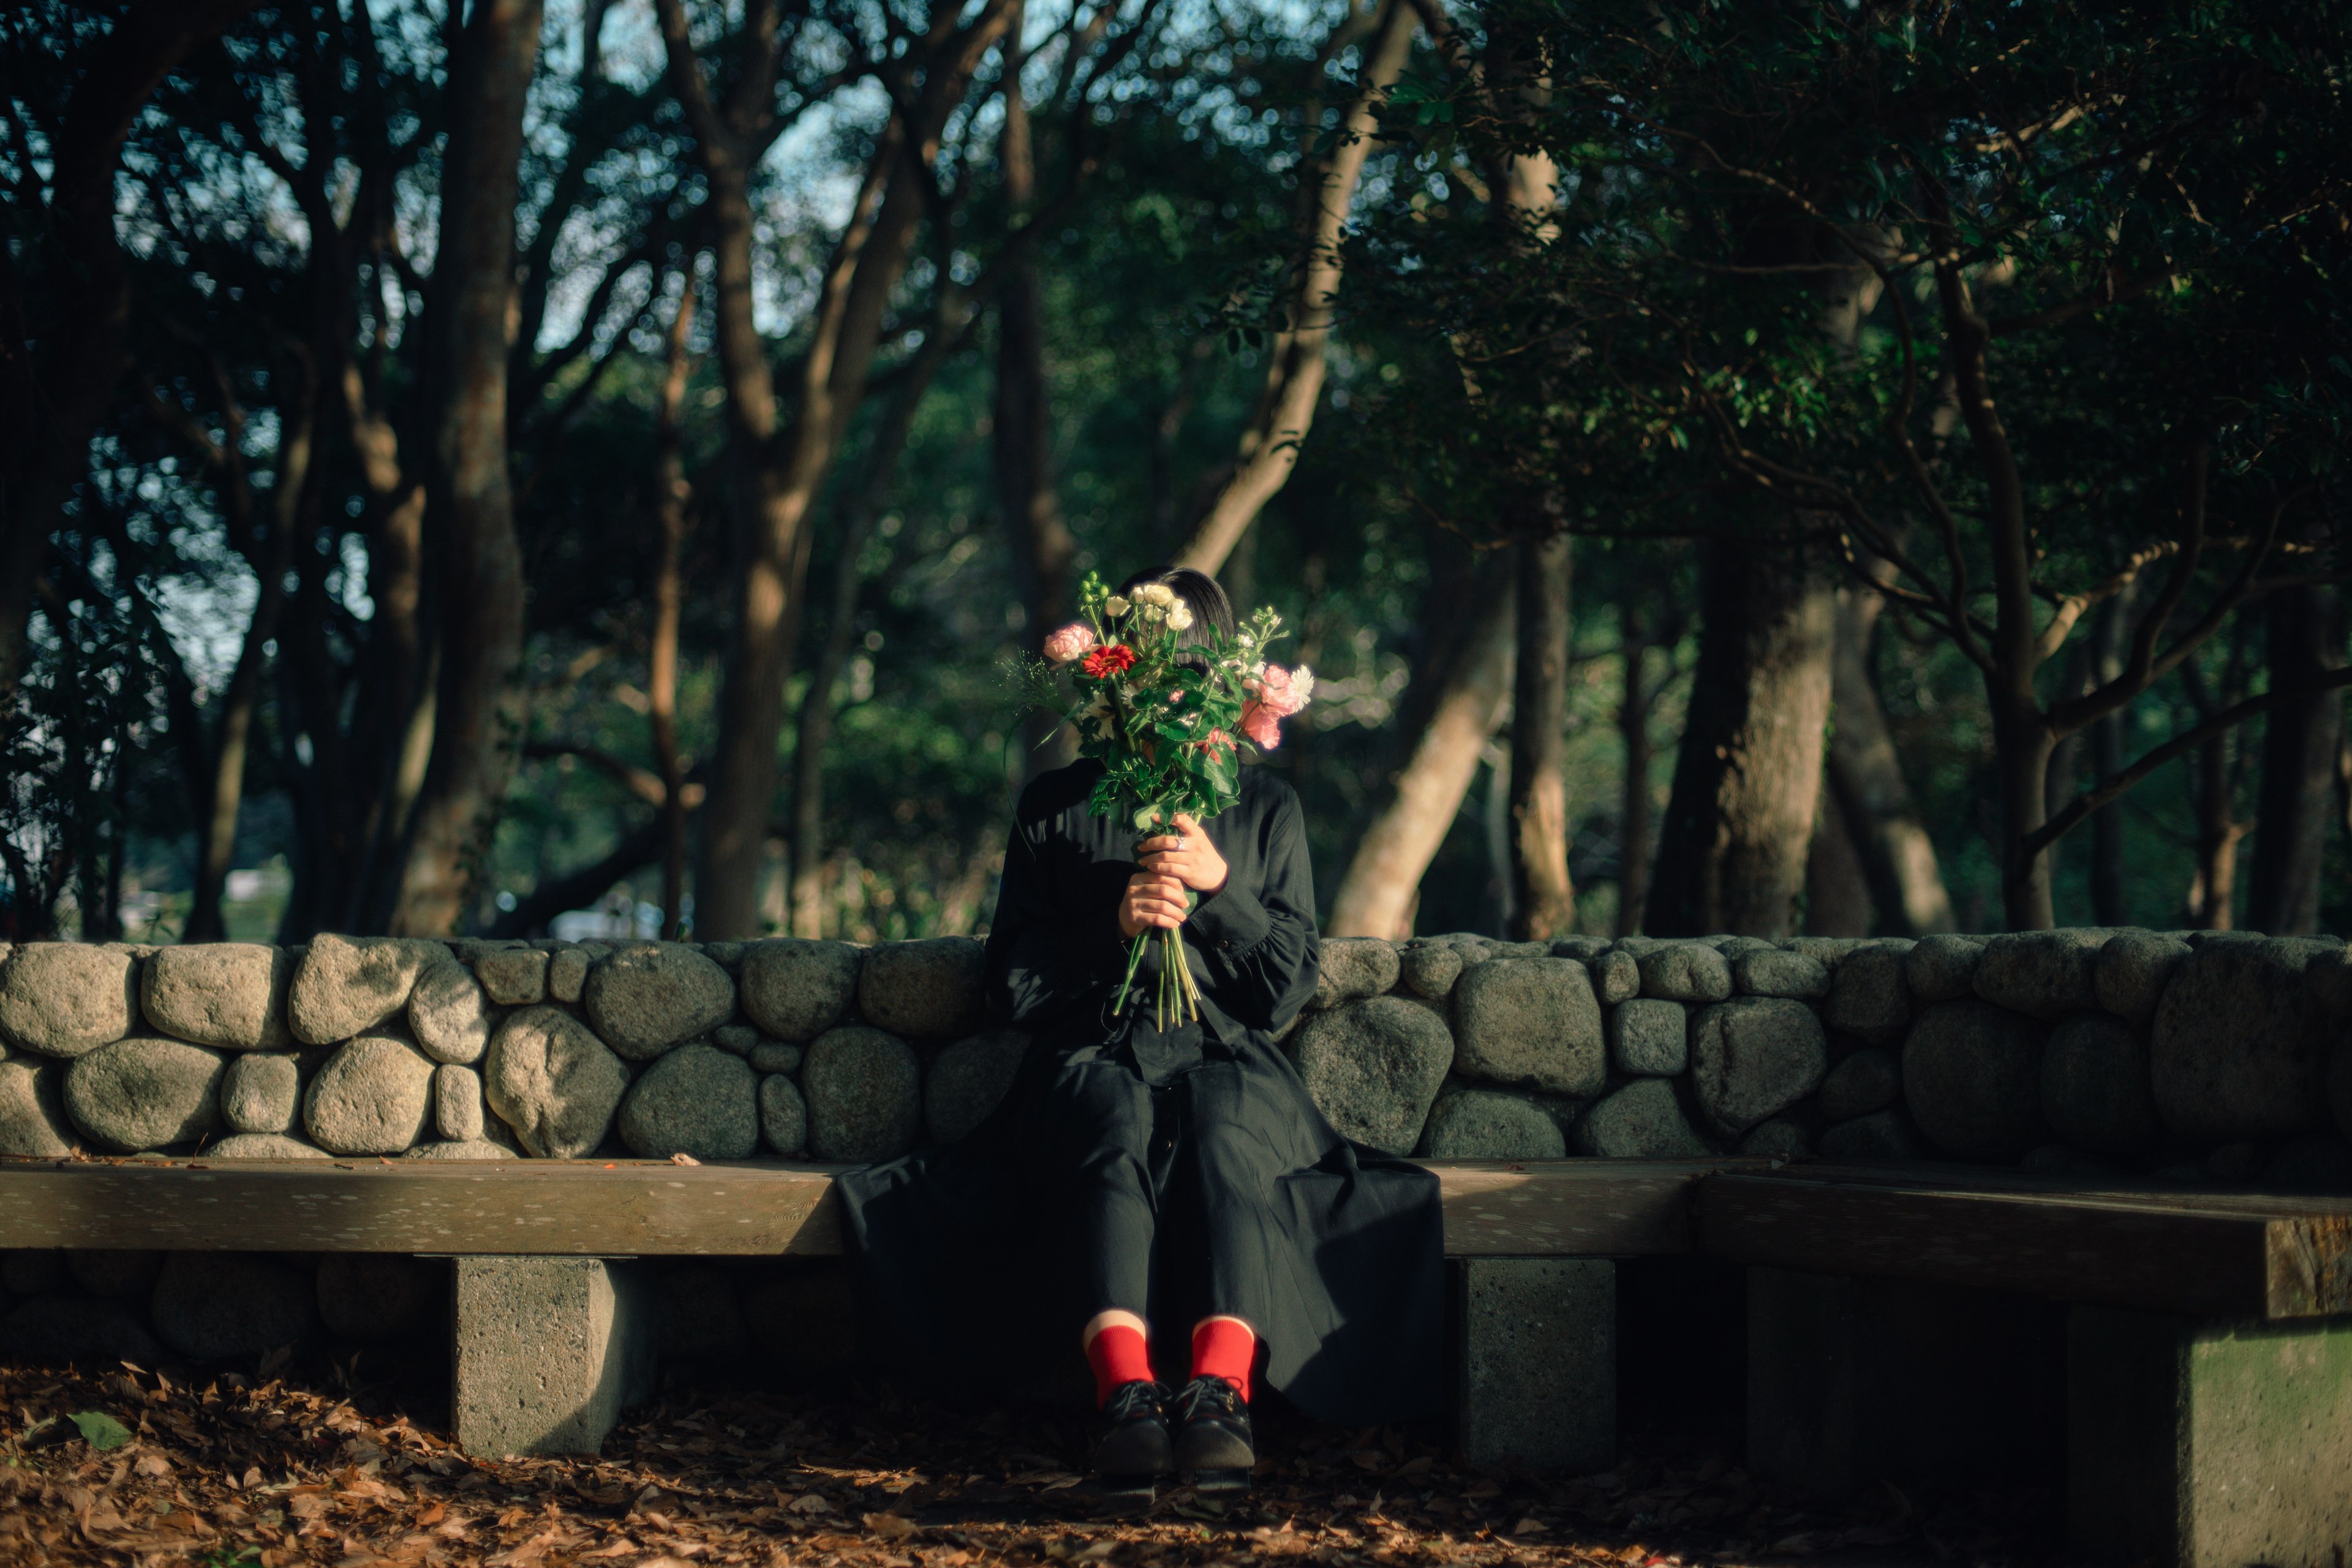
(974, 1256)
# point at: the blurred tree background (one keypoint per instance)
(1847, 468)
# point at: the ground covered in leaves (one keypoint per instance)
(132, 1467)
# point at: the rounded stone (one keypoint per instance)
(1831, 950)
(264, 1146)
(928, 990)
(567, 974)
(145, 1092)
(1869, 1079)
(120, 1276)
(695, 1100)
(512, 977)
(1685, 972)
(32, 1109)
(1643, 1120)
(1430, 968)
(449, 1012)
(469, 1149)
(1943, 967)
(550, 1077)
(1649, 1037)
(796, 989)
(1530, 1022)
(2239, 1045)
(1486, 1125)
(1769, 971)
(1869, 997)
(1754, 1057)
(1616, 976)
(776, 1056)
(2097, 1092)
(347, 985)
(1972, 1080)
(2041, 973)
(735, 1039)
(1775, 1140)
(650, 996)
(67, 999)
(459, 1114)
(2133, 970)
(209, 1306)
(1350, 968)
(375, 1297)
(227, 994)
(1374, 1068)
(864, 1095)
(783, 1116)
(1881, 1137)
(261, 1093)
(968, 1079)
(56, 1329)
(374, 1096)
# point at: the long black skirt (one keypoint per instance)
(1221, 1190)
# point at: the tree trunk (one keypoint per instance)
(1633, 813)
(672, 495)
(478, 718)
(1838, 900)
(1468, 696)
(1543, 900)
(2105, 739)
(1731, 856)
(2212, 897)
(2301, 740)
(1875, 809)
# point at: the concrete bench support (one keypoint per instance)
(549, 1350)
(2204, 1445)
(1536, 1361)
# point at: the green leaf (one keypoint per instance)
(99, 1430)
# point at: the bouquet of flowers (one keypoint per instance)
(1168, 723)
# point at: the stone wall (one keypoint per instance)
(2196, 1056)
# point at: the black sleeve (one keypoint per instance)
(1260, 947)
(1043, 959)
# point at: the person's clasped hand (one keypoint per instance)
(1156, 897)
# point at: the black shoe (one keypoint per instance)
(1133, 1445)
(1214, 1442)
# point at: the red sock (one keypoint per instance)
(1224, 1347)
(1117, 1354)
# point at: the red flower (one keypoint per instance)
(1106, 662)
(1217, 741)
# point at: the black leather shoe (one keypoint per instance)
(1214, 1442)
(1133, 1444)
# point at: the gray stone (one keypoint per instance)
(2041, 973)
(261, 1093)
(458, 1112)
(120, 1276)
(651, 995)
(264, 1146)
(1483, 1124)
(375, 1298)
(1685, 972)
(2236, 1163)
(1350, 968)
(567, 974)
(2329, 975)
(1735, 948)
(695, 1100)
(227, 994)
(1943, 967)
(968, 1080)
(701, 1321)
(2240, 1044)
(927, 990)
(1616, 976)
(33, 1270)
(145, 1092)
(210, 1306)
(32, 1109)
(449, 1014)
(1880, 1138)
(727, 955)
(735, 1039)
(548, 1078)
(1869, 1079)
(1868, 995)
(796, 990)
(776, 1056)
(1754, 1057)
(1972, 1080)
(348, 985)
(2097, 1092)
(1769, 971)
(1648, 1038)
(1775, 1140)
(1831, 950)
(470, 1149)
(2133, 970)
(1643, 1120)
(57, 1330)
(1637, 945)
(1536, 1373)
(783, 1116)
(1374, 1068)
(1530, 1022)
(548, 1351)
(864, 1094)
(66, 998)
(1580, 948)
(515, 977)
(374, 1096)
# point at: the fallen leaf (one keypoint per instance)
(99, 1430)
(152, 1465)
(432, 1516)
(811, 1502)
(682, 1158)
(1528, 1527)
(890, 1526)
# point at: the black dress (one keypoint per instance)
(1174, 1174)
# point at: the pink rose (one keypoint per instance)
(1274, 696)
(1260, 724)
(1280, 691)
(1072, 641)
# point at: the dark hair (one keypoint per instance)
(1211, 611)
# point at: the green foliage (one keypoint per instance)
(99, 1430)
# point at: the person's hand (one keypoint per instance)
(1186, 855)
(1152, 902)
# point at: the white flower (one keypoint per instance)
(1159, 593)
(1302, 682)
(1116, 606)
(1179, 618)
(1244, 639)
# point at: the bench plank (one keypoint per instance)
(624, 1208)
